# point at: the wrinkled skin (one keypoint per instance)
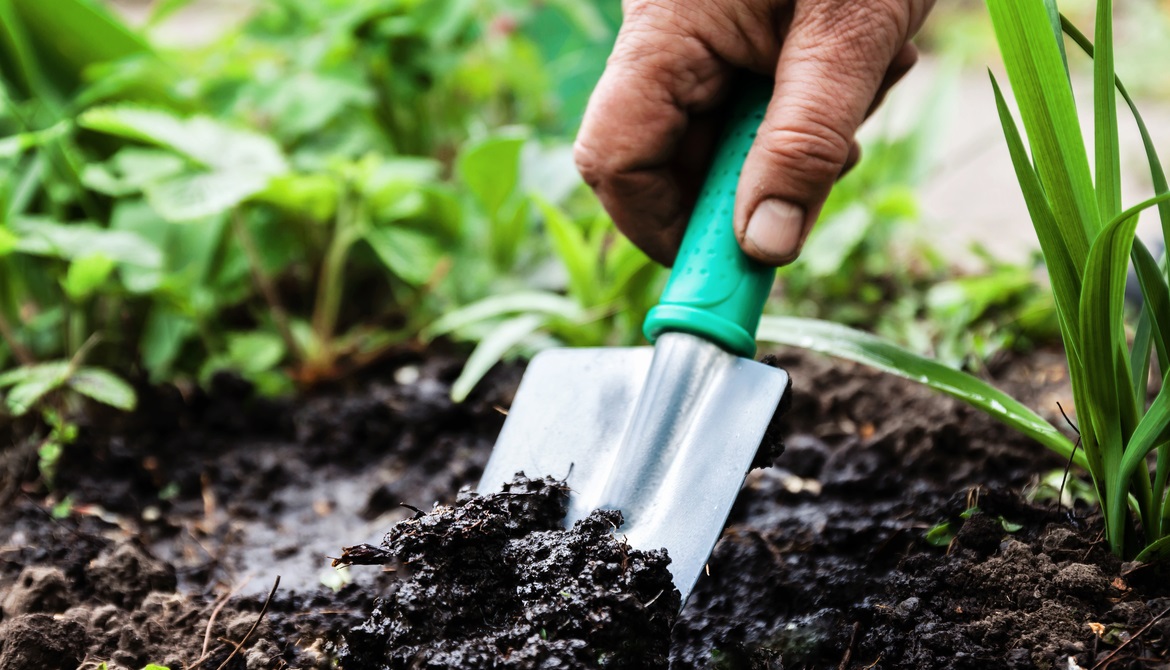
(649, 130)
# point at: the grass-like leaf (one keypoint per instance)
(492, 349)
(1069, 211)
(854, 345)
(530, 302)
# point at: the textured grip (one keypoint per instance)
(715, 291)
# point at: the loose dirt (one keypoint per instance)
(202, 498)
(495, 582)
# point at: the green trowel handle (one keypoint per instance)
(715, 291)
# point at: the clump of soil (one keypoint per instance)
(495, 582)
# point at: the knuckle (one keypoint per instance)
(590, 161)
(813, 151)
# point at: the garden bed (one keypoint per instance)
(184, 514)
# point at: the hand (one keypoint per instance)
(652, 121)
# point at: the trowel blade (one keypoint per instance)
(575, 407)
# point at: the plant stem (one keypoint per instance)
(264, 284)
(331, 283)
(18, 349)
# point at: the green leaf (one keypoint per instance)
(1065, 248)
(131, 170)
(854, 345)
(1157, 173)
(491, 170)
(104, 387)
(1039, 78)
(42, 237)
(314, 195)
(163, 336)
(86, 275)
(491, 349)
(941, 534)
(1102, 338)
(1105, 115)
(255, 352)
(571, 248)
(531, 302)
(1156, 301)
(236, 164)
(1155, 552)
(201, 139)
(410, 254)
(159, 12)
(51, 370)
(31, 383)
(8, 241)
(834, 239)
(195, 196)
(53, 43)
(1139, 359)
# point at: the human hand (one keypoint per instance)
(651, 124)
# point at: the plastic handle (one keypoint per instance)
(715, 291)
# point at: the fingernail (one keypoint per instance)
(776, 230)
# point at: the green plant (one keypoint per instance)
(1088, 244)
(609, 286)
(285, 203)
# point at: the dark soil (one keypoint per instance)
(495, 582)
(183, 515)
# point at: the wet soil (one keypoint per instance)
(181, 517)
(495, 582)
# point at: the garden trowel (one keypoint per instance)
(666, 434)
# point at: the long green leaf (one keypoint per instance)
(1057, 244)
(492, 349)
(1105, 115)
(1152, 430)
(1139, 357)
(1035, 66)
(1102, 336)
(854, 345)
(1155, 300)
(1157, 173)
(573, 251)
(540, 302)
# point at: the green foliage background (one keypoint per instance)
(336, 179)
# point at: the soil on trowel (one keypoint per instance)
(496, 582)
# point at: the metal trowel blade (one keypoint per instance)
(665, 434)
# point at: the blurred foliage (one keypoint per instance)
(333, 180)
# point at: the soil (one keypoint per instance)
(180, 518)
(495, 582)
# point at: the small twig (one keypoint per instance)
(255, 625)
(1135, 636)
(214, 613)
(849, 650)
(1067, 466)
(211, 623)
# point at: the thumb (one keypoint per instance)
(828, 77)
